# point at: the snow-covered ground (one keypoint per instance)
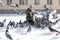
(20, 33)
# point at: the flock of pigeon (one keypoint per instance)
(12, 24)
(22, 25)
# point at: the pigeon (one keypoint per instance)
(7, 34)
(29, 29)
(53, 30)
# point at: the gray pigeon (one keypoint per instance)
(29, 29)
(7, 34)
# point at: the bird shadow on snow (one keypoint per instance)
(46, 34)
(21, 32)
(54, 38)
(58, 28)
(0, 37)
(1, 30)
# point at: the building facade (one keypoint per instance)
(24, 4)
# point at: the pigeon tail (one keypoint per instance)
(57, 33)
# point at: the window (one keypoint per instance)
(36, 2)
(9, 1)
(49, 2)
(23, 2)
(59, 2)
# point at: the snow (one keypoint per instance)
(20, 33)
